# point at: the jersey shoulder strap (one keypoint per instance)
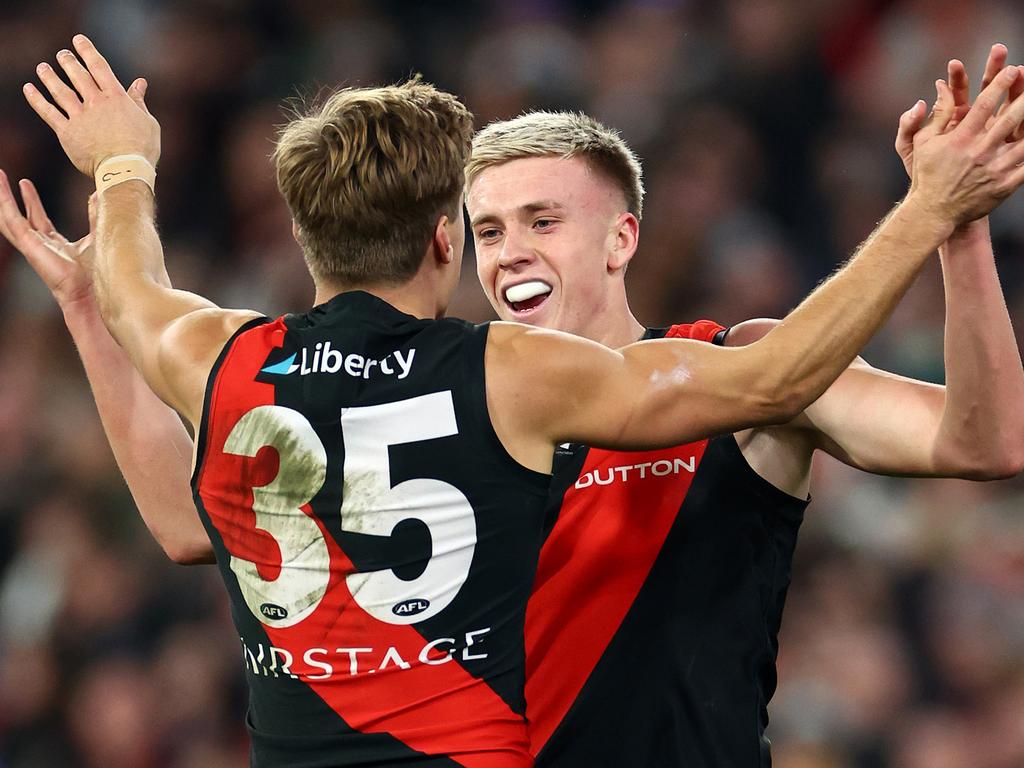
(702, 330)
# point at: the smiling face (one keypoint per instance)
(552, 242)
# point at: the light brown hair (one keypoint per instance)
(561, 134)
(367, 174)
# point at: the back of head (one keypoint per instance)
(561, 134)
(367, 175)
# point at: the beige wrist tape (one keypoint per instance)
(122, 168)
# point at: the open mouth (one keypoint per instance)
(527, 297)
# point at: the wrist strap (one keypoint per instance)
(121, 168)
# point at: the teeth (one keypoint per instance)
(525, 291)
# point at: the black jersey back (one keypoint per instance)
(652, 630)
(376, 540)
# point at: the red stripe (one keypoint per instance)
(594, 563)
(437, 710)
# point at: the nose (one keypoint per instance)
(514, 253)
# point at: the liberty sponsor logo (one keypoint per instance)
(325, 359)
(326, 663)
(636, 472)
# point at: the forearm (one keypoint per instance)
(129, 258)
(983, 420)
(818, 340)
(149, 442)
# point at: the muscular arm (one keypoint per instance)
(150, 444)
(672, 391)
(971, 428)
(172, 337)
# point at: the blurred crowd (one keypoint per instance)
(766, 130)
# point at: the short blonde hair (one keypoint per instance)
(367, 175)
(561, 134)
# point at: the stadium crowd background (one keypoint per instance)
(766, 130)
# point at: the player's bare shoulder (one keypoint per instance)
(188, 349)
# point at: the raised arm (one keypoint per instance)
(671, 391)
(98, 120)
(150, 444)
(974, 426)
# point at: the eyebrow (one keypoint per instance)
(540, 205)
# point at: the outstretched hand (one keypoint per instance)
(64, 266)
(94, 118)
(958, 81)
(961, 172)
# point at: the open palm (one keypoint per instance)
(65, 266)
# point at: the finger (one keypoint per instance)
(942, 111)
(910, 123)
(5, 189)
(15, 226)
(77, 74)
(52, 116)
(996, 61)
(137, 90)
(34, 208)
(1006, 124)
(98, 66)
(985, 106)
(959, 82)
(63, 96)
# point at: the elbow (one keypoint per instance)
(1001, 467)
(189, 552)
(1002, 463)
(778, 405)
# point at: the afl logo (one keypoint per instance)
(271, 611)
(410, 607)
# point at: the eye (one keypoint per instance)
(544, 224)
(488, 234)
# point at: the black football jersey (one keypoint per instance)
(652, 628)
(377, 542)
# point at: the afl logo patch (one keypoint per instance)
(271, 611)
(410, 607)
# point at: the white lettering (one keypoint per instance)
(425, 657)
(285, 668)
(395, 658)
(666, 468)
(599, 481)
(327, 668)
(386, 368)
(643, 468)
(353, 667)
(354, 365)
(405, 364)
(466, 656)
(689, 467)
(585, 480)
(368, 368)
(332, 359)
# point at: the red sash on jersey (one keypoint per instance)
(610, 529)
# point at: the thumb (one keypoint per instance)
(942, 112)
(137, 90)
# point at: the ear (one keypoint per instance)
(441, 244)
(626, 234)
(296, 232)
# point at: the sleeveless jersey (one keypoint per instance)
(377, 542)
(652, 629)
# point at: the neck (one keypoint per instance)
(619, 332)
(419, 297)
